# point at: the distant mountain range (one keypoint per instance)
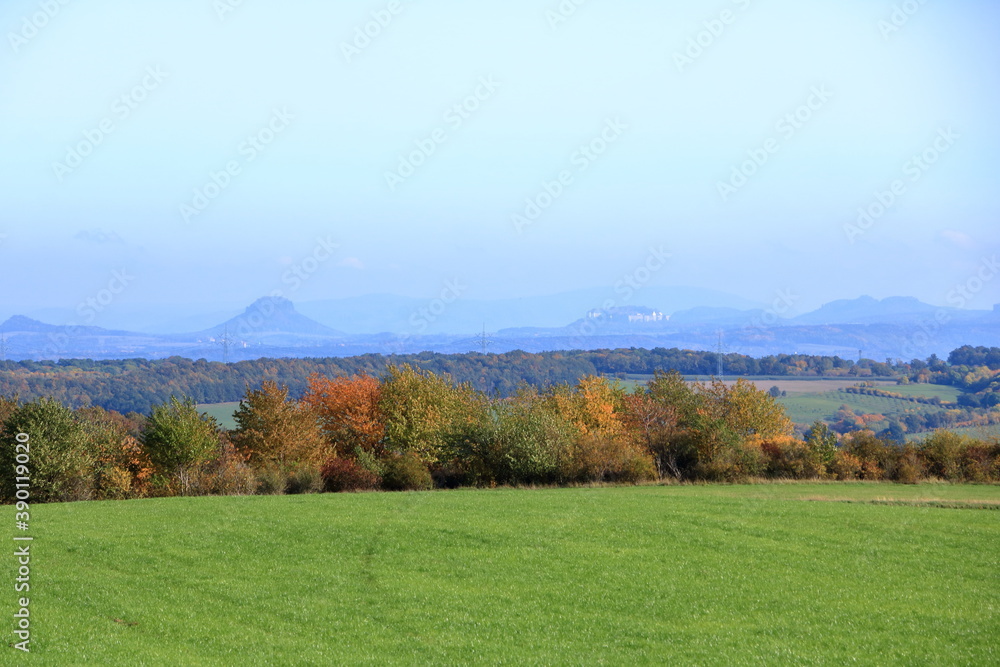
(898, 327)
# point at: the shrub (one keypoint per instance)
(406, 472)
(821, 440)
(116, 484)
(635, 467)
(304, 479)
(422, 410)
(596, 458)
(979, 462)
(348, 411)
(520, 444)
(270, 480)
(347, 475)
(233, 475)
(792, 459)
(716, 450)
(942, 451)
(910, 467)
(845, 466)
(878, 458)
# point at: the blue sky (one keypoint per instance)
(308, 120)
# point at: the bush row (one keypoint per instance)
(414, 430)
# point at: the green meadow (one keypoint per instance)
(223, 413)
(769, 574)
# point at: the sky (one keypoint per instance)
(202, 152)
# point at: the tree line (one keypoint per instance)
(413, 429)
(136, 385)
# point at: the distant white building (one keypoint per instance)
(630, 314)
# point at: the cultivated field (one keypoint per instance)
(807, 408)
(771, 574)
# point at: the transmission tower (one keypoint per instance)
(484, 340)
(3, 345)
(718, 357)
(225, 341)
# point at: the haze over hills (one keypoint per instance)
(377, 313)
(273, 327)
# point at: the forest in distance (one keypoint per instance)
(135, 385)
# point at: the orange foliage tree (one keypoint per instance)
(349, 411)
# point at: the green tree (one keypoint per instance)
(60, 463)
(822, 441)
(672, 390)
(178, 438)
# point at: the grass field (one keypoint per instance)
(223, 413)
(770, 574)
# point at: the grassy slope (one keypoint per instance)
(720, 574)
(223, 413)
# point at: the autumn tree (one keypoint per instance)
(272, 429)
(350, 412)
(423, 412)
(656, 425)
(604, 448)
(122, 468)
(749, 412)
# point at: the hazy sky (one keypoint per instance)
(119, 117)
